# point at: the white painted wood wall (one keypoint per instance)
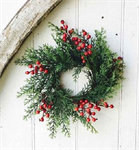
(118, 129)
(8, 8)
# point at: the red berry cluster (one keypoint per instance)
(105, 104)
(81, 44)
(87, 109)
(37, 68)
(45, 109)
(119, 58)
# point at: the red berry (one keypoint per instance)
(119, 58)
(64, 39)
(89, 52)
(90, 106)
(81, 101)
(85, 53)
(61, 28)
(37, 62)
(76, 38)
(89, 46)
(81, 106)
(98, 108)
(76, 43)
(82, 45)
(49, 106)
(62, 21)
(47, 115)
(83, 61)
(88, 119)
(64, 35)
(82, 57)
(114, 60)
(42, 119)
(71, 31)
(111, 106)
(79, 40)
(46, 71)
(30, 66)
(36, 67)
(41, 69)
(88, 110)
(95, 107)
(94, 119)
(93, 113)
(44, 105)
(88, 36)
(32, 72)
(27, 72)
(41, 107)
(76, 108)
(106, 104)
(81, 114)
(73, 39)
(44, 110)
(41, 66)
(43, 101)
(79, 47)
(84, 33)
(66, 27)
(86, 101)
(35, 71)
(37, 111)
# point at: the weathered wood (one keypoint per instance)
(23, 23)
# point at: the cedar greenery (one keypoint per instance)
(75, 50)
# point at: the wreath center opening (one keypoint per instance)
(67, 81)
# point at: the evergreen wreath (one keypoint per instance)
(75, 50)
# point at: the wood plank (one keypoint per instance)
(128, 114)
(94, 15)
(15, 132)
(42, 34)
(137, 88)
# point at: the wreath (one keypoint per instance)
(77, 51)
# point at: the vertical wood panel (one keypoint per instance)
(15, 132)
(137, 89)
(96, 15)
(121, 52)
(68, 12)
(129, 101)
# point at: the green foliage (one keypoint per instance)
(103, 68)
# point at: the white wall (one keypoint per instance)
(118, 129)
(8, 9)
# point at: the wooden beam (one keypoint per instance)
(19, 28)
